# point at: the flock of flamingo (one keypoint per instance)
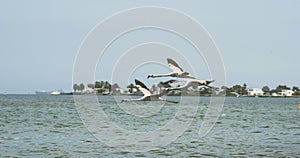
(177, 72)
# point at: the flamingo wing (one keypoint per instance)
(167, 83)
(142, 87)
(174, 66)
(177, 69)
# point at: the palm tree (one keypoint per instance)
(75, 87)
(131, 86)
(244, 89)
(81, 87)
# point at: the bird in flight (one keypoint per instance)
(188, 83)
(177, 71)
(148, 96)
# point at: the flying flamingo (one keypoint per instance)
(177, 71)
(148, 96)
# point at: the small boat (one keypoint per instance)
(55, 93)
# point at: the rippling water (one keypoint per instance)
(37, 126)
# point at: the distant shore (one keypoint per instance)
(201, 95)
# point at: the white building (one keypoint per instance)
(286, 92)
(255, 92)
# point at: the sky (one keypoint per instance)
(258, 40)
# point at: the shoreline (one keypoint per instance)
(188, 95)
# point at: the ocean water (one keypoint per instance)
(50, 126)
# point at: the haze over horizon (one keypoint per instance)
(258, 40)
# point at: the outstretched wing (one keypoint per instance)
(167, 83)
(142, 87)
(177, 69)
(187, 75)
(174, 66)
(187, 84)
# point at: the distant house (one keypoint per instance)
(122, 91)
(89, 90)
(286, 92)
(275, 94)
(103, 91)
(255, 92)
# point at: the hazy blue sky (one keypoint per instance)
(39, 40)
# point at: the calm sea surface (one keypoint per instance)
(50, 126)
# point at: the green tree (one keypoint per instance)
(107, 85)
(81, 87)
(102, 84)
(75, 87)
(238, 89)
(99, 84)
(90, 85)
(131, 86)
(228, 91)
(296, 90)
(265, 89)
(205, 91)
(244, 89)
(273, 91)
(281, 87)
